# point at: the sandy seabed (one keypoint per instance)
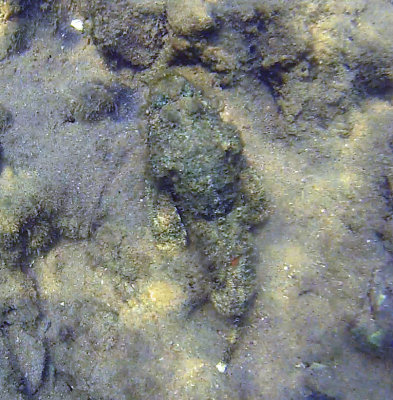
(94, 303)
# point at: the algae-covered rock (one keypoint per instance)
(189, 17)
(227, 244)
(198, 160)
(193, 154)
(130, 30)
(91, 101)
(219, 59)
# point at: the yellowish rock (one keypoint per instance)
(167, 227)
(189, 17)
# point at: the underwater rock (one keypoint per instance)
(219, 59)
(193, 154)
(189, 17)
(197, 159)
(129, 30)
(92, 101)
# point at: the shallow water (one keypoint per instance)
(106, 287)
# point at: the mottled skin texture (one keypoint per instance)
(197, 159)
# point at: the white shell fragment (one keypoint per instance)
(77, 24)
(222, 367)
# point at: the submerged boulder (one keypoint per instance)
(197, 159)
(131, 31)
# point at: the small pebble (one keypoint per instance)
(222, 367)
(77, 24)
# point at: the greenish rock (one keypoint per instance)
(92, 101)
(198, 160)
(131, 31)
(193, 154)
(227, 244)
